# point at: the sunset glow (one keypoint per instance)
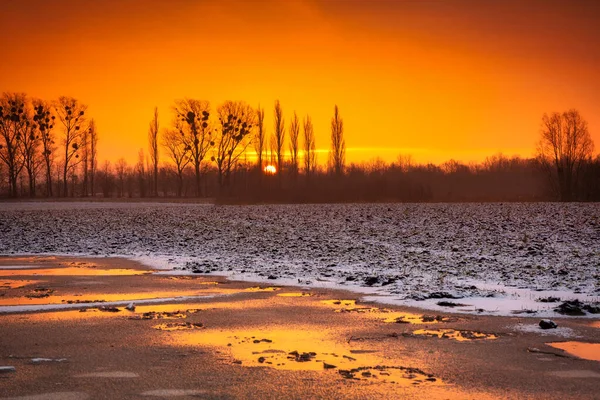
(270, 170)
(437, 80)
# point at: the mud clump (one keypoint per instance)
(111, 309)
(164, 315)
(577, 308)
(82, 301)
(40, 293)
(301, 357)
(461, 336)
(451, 304)
(178, 326)
(393, 374)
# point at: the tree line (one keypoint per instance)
(49, 149)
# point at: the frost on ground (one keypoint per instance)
(415, 253)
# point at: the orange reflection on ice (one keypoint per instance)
(104, 297)
(385, 314)
(72, 271)
(16, 283)
(339, 303)
(303, 348)
(588, 351)
(294, 294)
(262, 289)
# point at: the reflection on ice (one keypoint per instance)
(302, 348)
(16, 283)
(294, 294)
(588, 351)
(262, 289)
(71, 271)
(386, 314)
(46, 297)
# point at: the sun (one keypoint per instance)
(270, 170)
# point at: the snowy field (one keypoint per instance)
(489, 258)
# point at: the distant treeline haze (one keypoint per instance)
(49, 149)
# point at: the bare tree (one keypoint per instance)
(93, 153)
(106, 180)
(259, 143)
(179, 154)
(85, 162)
(71, 114)
(236, 119)
(194, 127)
(294, 134)
(310, 155)
(153, 150)
(404, 162)
(565, 146)
(30, 144)
(140, 169)
(337, 157)
(279, 136)
(44, 121)
(14, 124)
(121, 170)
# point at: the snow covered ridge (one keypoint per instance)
(411, 251)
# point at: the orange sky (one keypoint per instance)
(435, 79)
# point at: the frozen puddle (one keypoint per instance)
(302, 348)
(294, 294)
(16, 283)
(82, 306)
(47, 296)
(587, 351)
(385, 314)
(11, 267)
(263, 289)
(71, 271)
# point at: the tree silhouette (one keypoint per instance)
(279, 137)
(13, 126)
(310, 155)
(153, 150)
(294, 134)
(106, 179)
(121, 170)
(563, 150)
(259, 143)
(140, 170)
(194, 127)
(178, 152)
(93, 153)
(44, 121)
(71, 114)
(30, 142)
(338, 144)
(236, 120)
(84, 153)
